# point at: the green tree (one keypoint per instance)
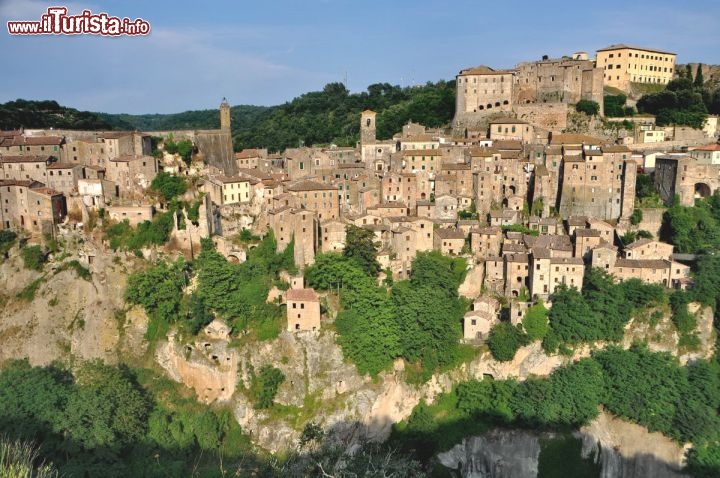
(106, 408)
(504, 341)
(159, 290)
(7, 239)
(168, 186)
(699, 79)
(535, 322)
(360, 247)
(264, 386)
(636, 217)
(589, 107)
(430, 325)
(613, 105)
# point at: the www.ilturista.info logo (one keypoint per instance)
(57, 22)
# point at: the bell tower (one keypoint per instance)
(367, 127)
(225, 115)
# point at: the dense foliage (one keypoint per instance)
(264, 386)
(589, 107)
(505, 339)
(168, 186)
(600, 312)
(99, 421)
(332, 115)
(49, 114)
(418, 320)
(183, 147)
(321, 117)
(7, 240)
(535, 323)
(693, 229)
(234, 292)
(360, 247)
(646, 387)
(614, 106)
(685, 102)
(122, 235)
(243, 118)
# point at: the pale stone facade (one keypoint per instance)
(303, 310)
(624, 64)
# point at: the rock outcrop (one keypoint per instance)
(622, 449)
(67, 315)
(497, 454)
(627, 450)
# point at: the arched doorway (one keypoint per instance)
(702, 190)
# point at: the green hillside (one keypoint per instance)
(319, 117)
(49, 114)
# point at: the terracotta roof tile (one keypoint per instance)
(307, 295)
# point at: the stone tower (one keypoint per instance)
(367, 127)
(225, 115)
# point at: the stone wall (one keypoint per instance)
(551, 116)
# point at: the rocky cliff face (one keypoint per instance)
(627, 450)
(623, 450)
(67, 315)
(498, 454)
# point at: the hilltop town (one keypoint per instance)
(528, 204)
(525, 190)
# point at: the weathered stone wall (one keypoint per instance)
(550, 116)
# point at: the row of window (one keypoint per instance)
(642, 56)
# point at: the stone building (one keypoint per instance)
(561, 80)
(303, 310)
(400, 187)
(124, 143)
(332, 232)
(298, 225)
(484, 89)
(478, 322)
(31, 206)
(225, 190)
(373, 152)
(64, 177)
(686, 177)
(597, 183)
(415, 160)
(485, 242)
(22, 145)
(548, 272)
(706, 154)
(25, 167)
(624, 64)
(511, 129)
(648, 249)
(316, 196)
(132, 174)
(251, 158)
(133, 214)
(449, 241)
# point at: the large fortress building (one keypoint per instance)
(624, 64)
(482, 91)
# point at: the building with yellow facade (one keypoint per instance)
(623, 64)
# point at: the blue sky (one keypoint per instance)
(268, 52)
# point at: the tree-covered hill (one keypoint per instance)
(332, 115)
(319, 117)
(243, 116)
(49, 114)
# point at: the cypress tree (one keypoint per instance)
(699, 80)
